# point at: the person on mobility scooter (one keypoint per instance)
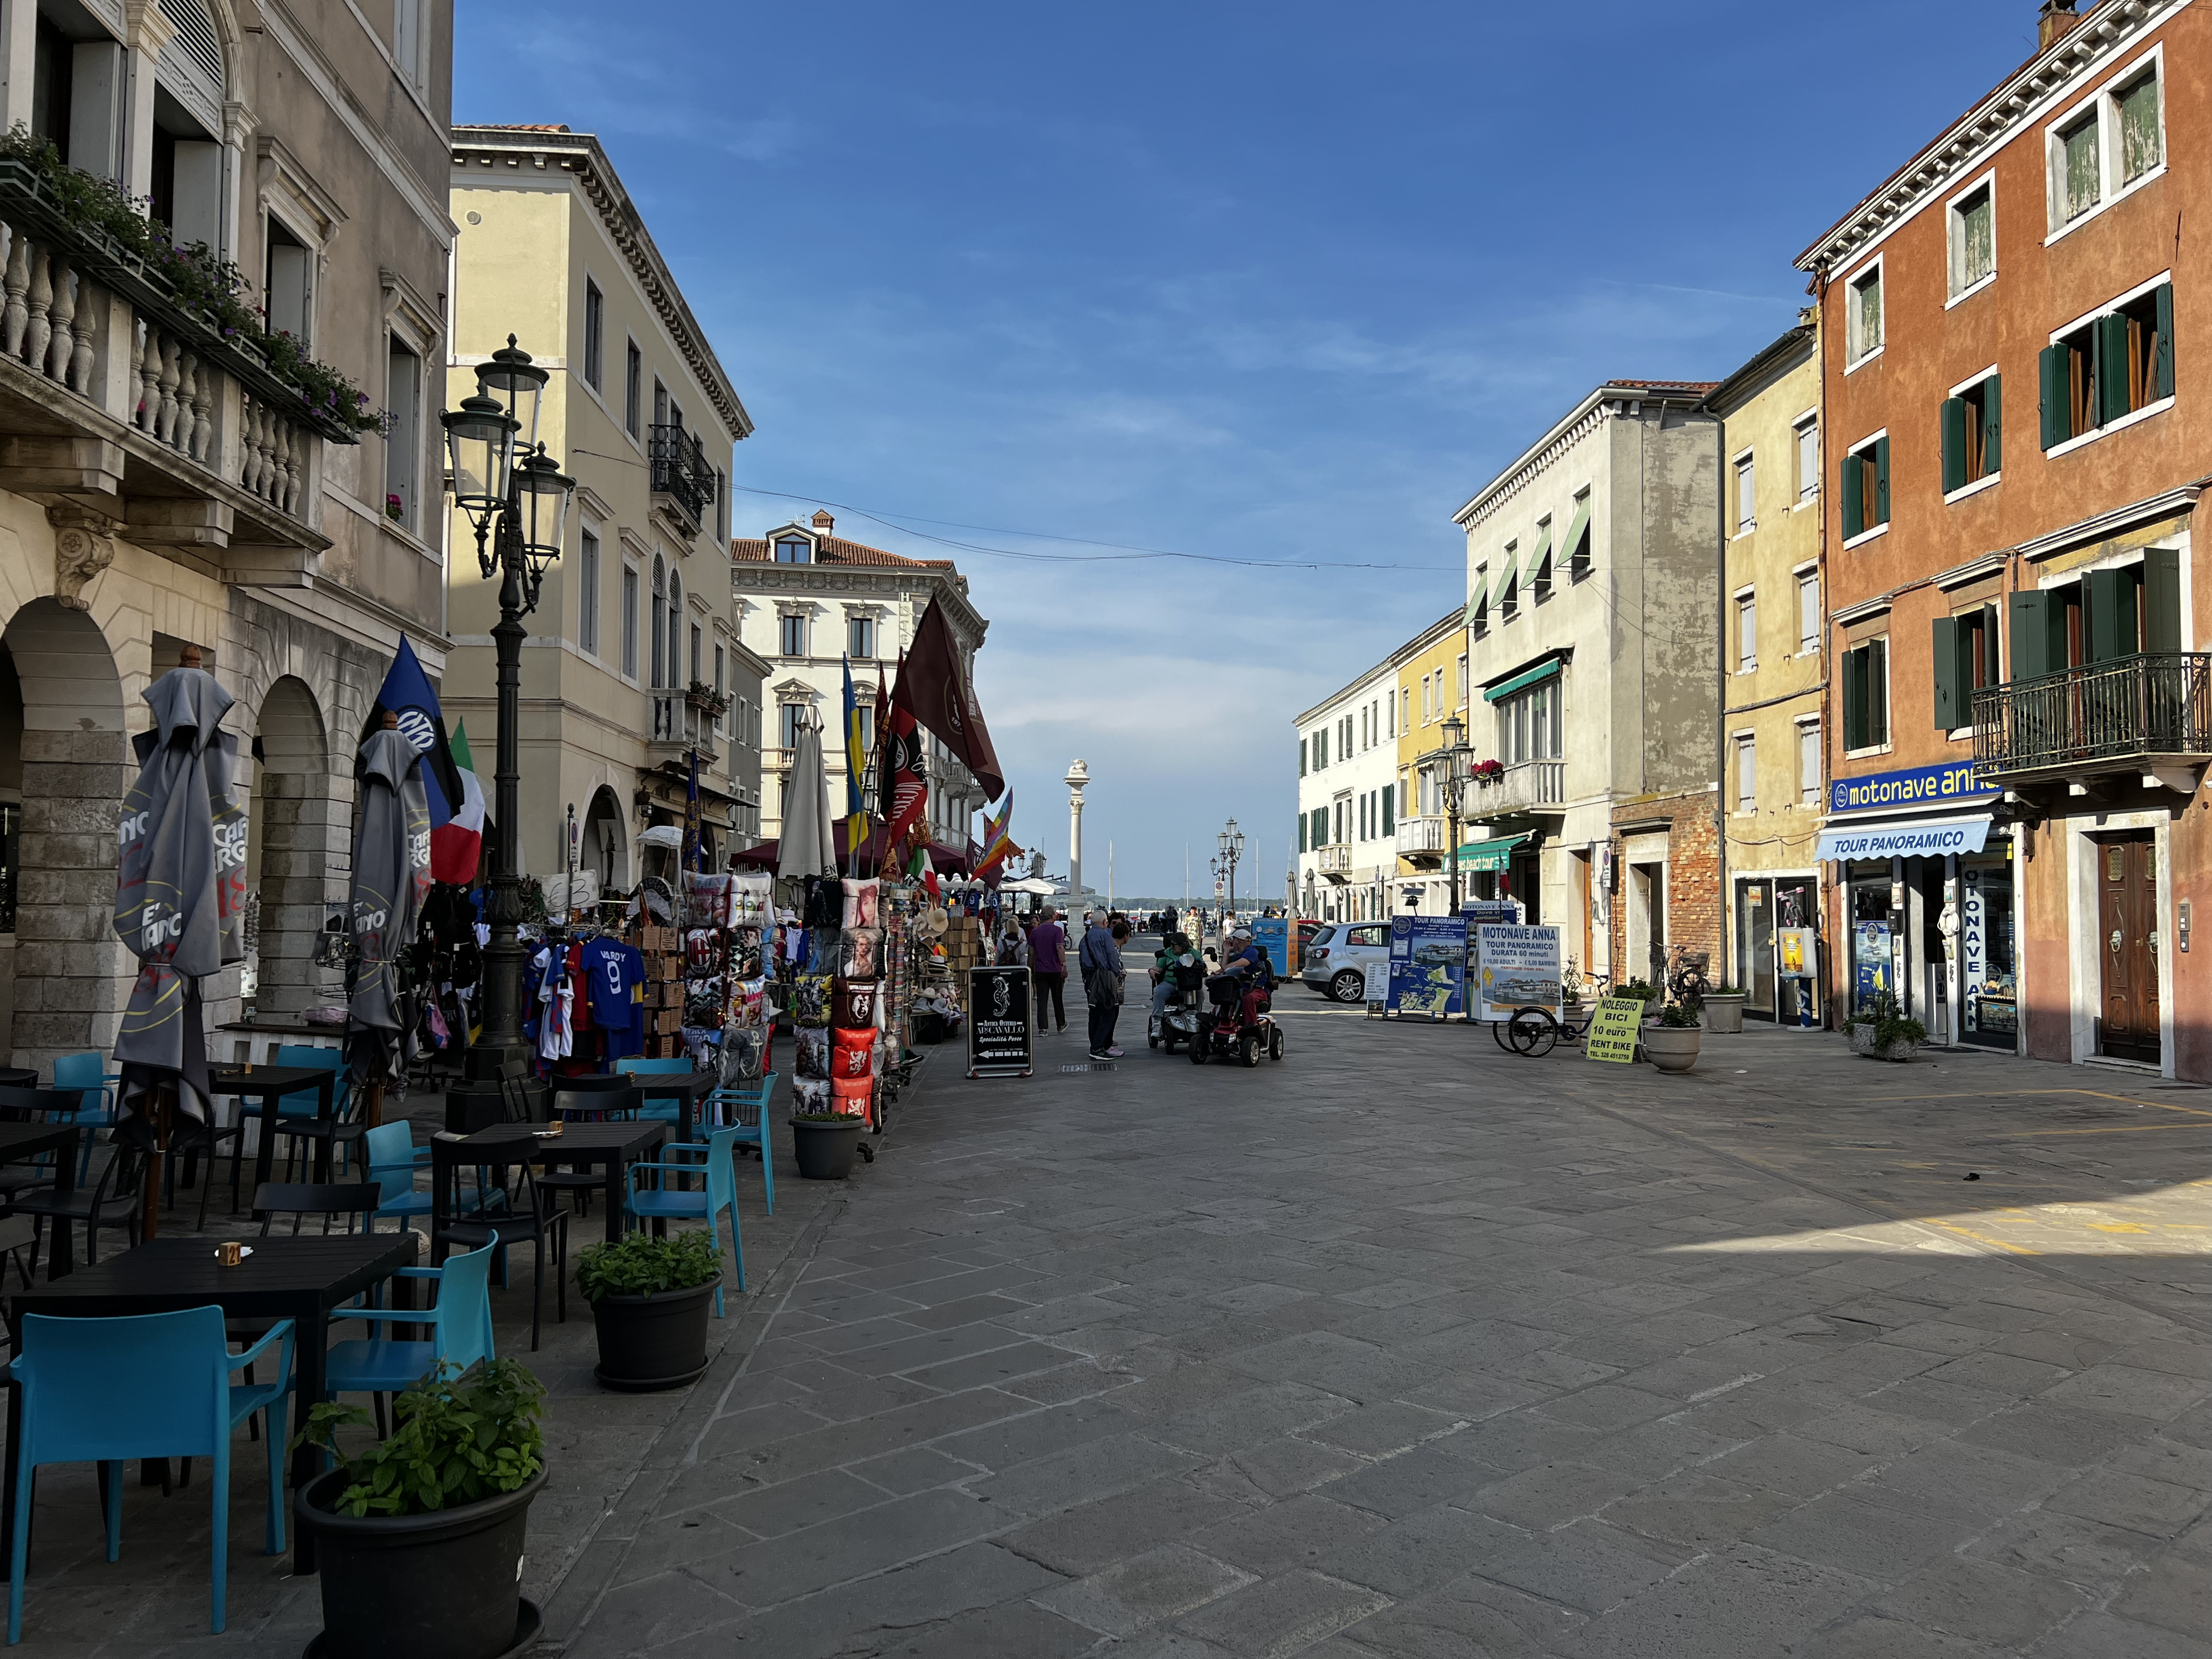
(1239, 1020)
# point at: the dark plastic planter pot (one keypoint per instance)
(442, 1586)
(647, 1343)
(826, 1150)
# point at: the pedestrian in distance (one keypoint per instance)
(1103, 978)
(1049, 962)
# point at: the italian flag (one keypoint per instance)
(456, 845)
(924, 870)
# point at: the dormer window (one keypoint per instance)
(794, 550)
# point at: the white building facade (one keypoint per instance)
(1347, 801)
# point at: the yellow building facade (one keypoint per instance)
(1431, 680)
(1772, 776)
(632, 643)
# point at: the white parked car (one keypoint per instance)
(1335, 962)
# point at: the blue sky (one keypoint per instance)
(1283, 284)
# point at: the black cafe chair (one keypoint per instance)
(112, 1202)
(526, 1210)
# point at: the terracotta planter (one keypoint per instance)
(1724, 1013)
(1672, 1047)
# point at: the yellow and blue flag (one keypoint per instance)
(856, 768)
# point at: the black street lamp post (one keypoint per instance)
(519, 506)
(1449, 767)
(1232, 842)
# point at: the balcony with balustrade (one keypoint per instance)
(1529, 789)
(1336, 861)
(2148, 715)
(123, 405)
(1424, 840)
(680, 724)
(683, 482)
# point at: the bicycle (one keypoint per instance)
(1686, 976)
(1535, 1032)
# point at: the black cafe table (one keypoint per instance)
(18, 1077)
(269, 1084)
(688, 1087)
(19, 1143)
(611, 1147)
(300, 1279)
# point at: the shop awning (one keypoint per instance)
(1504, 579)
(1490, 855)
(1527, 677)
(1906, 838)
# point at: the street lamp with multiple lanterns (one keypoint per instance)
(517, 499)
(1230, 840)
(1451, 766)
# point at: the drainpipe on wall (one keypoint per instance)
(1824, 966)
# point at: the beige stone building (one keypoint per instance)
(632, 647)
(161, 485)
(1771, 674)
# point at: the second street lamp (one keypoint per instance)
(518, 505)
(1448, 766)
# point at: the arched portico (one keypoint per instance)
(295, 819)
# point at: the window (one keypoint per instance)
(595, 330)
(2080, 184)
(1862, 314)
(288, 285)
(1531, 723)
(2104, 614)
(1747, 773)
(791, 634)
(409, 42)
(1304, 828)
(587, 594)
(1390, 712)
(659, 643)
(2108, 367)
(860, 637)
(1866, 695)
(1972, 434)
(1477, 619)
(1578, 543)
(788, 716)
(2143, 138)
(629, 623)
(1808, 457)
(1747, 633)
(1964, 659)
(1866, 487)
(2102, 152)
(864, 716)
(722, 507)
(1302, 758)
(1808, 613)
(720, 666)
(1320, 748)
(794, 550)
(675, 630)
(1746, 508)
(402, 443)
(1973, 239)
(697, 660)
(633, 390)
(1808, 763)
(1461, 682)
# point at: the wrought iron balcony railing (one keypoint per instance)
(2100, 717)
(681, 473)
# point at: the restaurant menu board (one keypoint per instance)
(998, 1023)
(1612, 1035)
(1428, 965)
(1516, 968)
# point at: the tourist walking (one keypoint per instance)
(1049, 962)
(1104, 978)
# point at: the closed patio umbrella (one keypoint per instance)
(391, 879)
(806, 846)
(180, 891)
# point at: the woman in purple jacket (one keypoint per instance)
(1049, 964)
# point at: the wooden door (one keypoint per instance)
(2127, 945)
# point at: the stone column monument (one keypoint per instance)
(1078, 775)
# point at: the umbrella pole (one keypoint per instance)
(149, 1218)
(373, 1109)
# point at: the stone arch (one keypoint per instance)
(68, 972)
(607, 841)
(295, 822)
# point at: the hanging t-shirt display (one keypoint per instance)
(613, 971)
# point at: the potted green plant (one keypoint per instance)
(1671, 1044)
(1723, 1008)
(650, 1298)
(419, 1539)
(826, 1143)
(1882, 1030)
(1642, 991)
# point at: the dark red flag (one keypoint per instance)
(933, 689)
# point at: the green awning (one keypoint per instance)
(1490, 855)
(1526, 676)
(1505, 581)
(1477, 607)
(1542, 557)
(1575, 530)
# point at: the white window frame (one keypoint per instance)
(1975, 486)
(593, 368)
(2156, 406)
(1865, 446)
(1855, 352)
(784, 618)
(1806, 425)
(634, 434)
(1954, 241)
(1745, 747)
(1805, 575)
(591, 562)
(2103, 103)
(1743, 469)
(633, 598)
(1808, 725)
(1889, 705)
(1745, 604)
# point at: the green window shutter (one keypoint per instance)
(2164, 362)
(1953, 423)
(1855, 698)
(1854, 497)
(1945, 659)
(2108, 598)
(2030, 636)
(2161, 574)
(2052, 366)
(1881, 483)
(2111, 340)
(1302, 758)
(1302, 827)
(1991, 663)
(1992, 427)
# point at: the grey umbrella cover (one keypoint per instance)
(180, 876)
(391, 875)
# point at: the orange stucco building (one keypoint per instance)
(2016, 379)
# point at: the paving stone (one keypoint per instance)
(1380, 1431)
(1095, 1469)
(1700, 1509)
(1280, 1467)
(1852, 1532)
(2155, 1507)
(780, 1569)
(766, 1512)
(1551, 1494)
(1093, 1536)
(1590, 1566)
(1409, 1481)
(1284, 1615)
(1466, 1617)
(1984, 1602)
(913, 1600)
(1741, 1603)
(1869, 1636)
(1421, 1551)
(1146, 1589)
(2105, 1636)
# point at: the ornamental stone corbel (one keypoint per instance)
(84, 545)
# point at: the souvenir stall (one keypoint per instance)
(835, 998)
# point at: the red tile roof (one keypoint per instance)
(834, 549)
(1696, 387)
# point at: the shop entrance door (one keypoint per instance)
(1528, 887)
(2127, 945)
(1755, 940)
